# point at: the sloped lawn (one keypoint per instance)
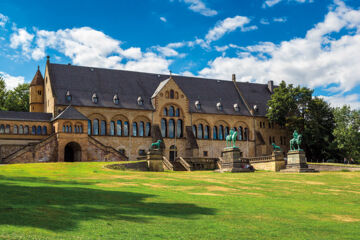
(89, 201)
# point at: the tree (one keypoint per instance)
(18, 99)
(347, 132)
(296, 109)
(2, 93)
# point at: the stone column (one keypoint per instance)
(155, 160)
(296, 162)
(231, 161)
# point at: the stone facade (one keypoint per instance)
(103, 143)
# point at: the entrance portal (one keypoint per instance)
(72, 152)
(172, 153)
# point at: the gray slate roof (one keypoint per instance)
(25, 116)
(82, 82)
(70, 113)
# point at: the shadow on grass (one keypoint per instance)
(61, 208)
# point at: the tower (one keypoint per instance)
(37, 93)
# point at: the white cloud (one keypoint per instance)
(89, 47)
(21, 38)
(280, 19)
(271, 3)
(228, 25)
(200, 7)
(264, 21)
(163, 19)
(12, 81)
(353, 100)
(317, 60)
(3, 20)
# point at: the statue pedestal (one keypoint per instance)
(296, 162)
(231, 161)
(155, 161)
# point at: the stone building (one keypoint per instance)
(93, 114)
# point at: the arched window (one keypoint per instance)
(171, 111)
(163, 127)
(7, 129)
(200, 131)
(215, 133)
(44, 130)
(21, 129)
(134, 129)
(206, 132)
(38, 132)
(89, 127)
(179, 130)
(118, 127)
(221, 132)
(75, 129)
(103, 128)
(112, 128)
(126, 128)
(165, 112)
(194, 130)
(240, 134)
(177, 113)
(80, 129)
(171, 128)
(64, 128)
(33, 130)
(15, 129)
(96, 127)
(172, 94)
(70, 129)
(2, 128)
(148, 129)
(226, 131)
(141, 129)
(246, 134)
(26, 129)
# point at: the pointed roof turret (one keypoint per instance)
(38, 78)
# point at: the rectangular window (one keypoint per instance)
(205, 153)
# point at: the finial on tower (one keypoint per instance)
(47, 59)
(170, 74)
(38, 68)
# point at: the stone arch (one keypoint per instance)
(72, 152)
(119, 117)
(97, 116)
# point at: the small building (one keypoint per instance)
(93, 114)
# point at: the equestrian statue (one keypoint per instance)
(296, 141)
(155, 145)
(231, 139)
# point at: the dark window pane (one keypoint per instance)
(44, 130)
(179, 130)
(171, 111)
(215, 133)
(172, 94)
(165, 112)
(126, 128)
(103, 128)
(163, 127)
(200, 131)
(38, 132)
(118, 127)
(33, 130)
(141, 129)
(206, 132)
(96, 127)
(171, 128)
(89, 127)
(112, 128)
(177, 113)
(15, 129)
(194, 130)
(240, 134)
(26, 130)
(7, 129)
(134, 129)
(2, 128)
(221, 132)
(21, 129)
(148, 129)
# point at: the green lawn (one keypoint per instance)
(88, 201)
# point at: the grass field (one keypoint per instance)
(88, 201)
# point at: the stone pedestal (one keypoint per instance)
(232, 161)
(296, 162)
(155, 161)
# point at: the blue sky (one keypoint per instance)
(314, 43)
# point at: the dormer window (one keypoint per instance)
(140, 101)
(68, 96)
(219, 106)
(116, 99)
(95, 98)
(197, 105)
(236, 107)
(256, 108)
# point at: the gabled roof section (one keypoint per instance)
(83, 82)
(160, 87)
(38, 78)
(25, 116)
(70, 113)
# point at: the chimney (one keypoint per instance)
(234, 77)
(271, 86)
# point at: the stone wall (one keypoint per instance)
(98, 152)
(6, 150)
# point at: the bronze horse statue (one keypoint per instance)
(295, 141)
(231, 139)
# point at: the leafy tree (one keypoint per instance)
(347, 132)
(296, 109)
(18, 99)
(2, 93)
